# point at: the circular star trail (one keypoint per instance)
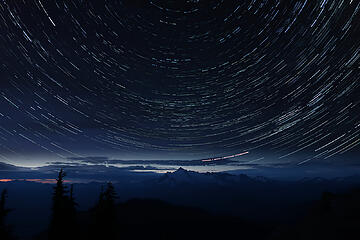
(196, 76)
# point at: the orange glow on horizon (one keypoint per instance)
(6, 180)
(38, 180)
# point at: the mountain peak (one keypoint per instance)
(180, 169)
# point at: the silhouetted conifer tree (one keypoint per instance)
(105, 213)
(63, 221)
(71, 211)
(4, 231)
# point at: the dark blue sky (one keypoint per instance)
(181, 80)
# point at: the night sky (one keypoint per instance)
(179, 80)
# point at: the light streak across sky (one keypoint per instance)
(225, 157)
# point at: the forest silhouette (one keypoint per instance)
(335, 216)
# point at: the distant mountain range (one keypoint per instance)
(183, 176)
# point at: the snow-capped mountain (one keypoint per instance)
(183, 176)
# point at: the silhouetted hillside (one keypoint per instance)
(335, 216)
(155, 219)
(253, 199)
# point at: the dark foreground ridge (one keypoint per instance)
(154, 219)
(332, 216)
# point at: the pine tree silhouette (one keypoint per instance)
(71, 212)
(63, 221)
(72, 203)
(4, 231)
(105, 213)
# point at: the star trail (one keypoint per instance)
(193, 78)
